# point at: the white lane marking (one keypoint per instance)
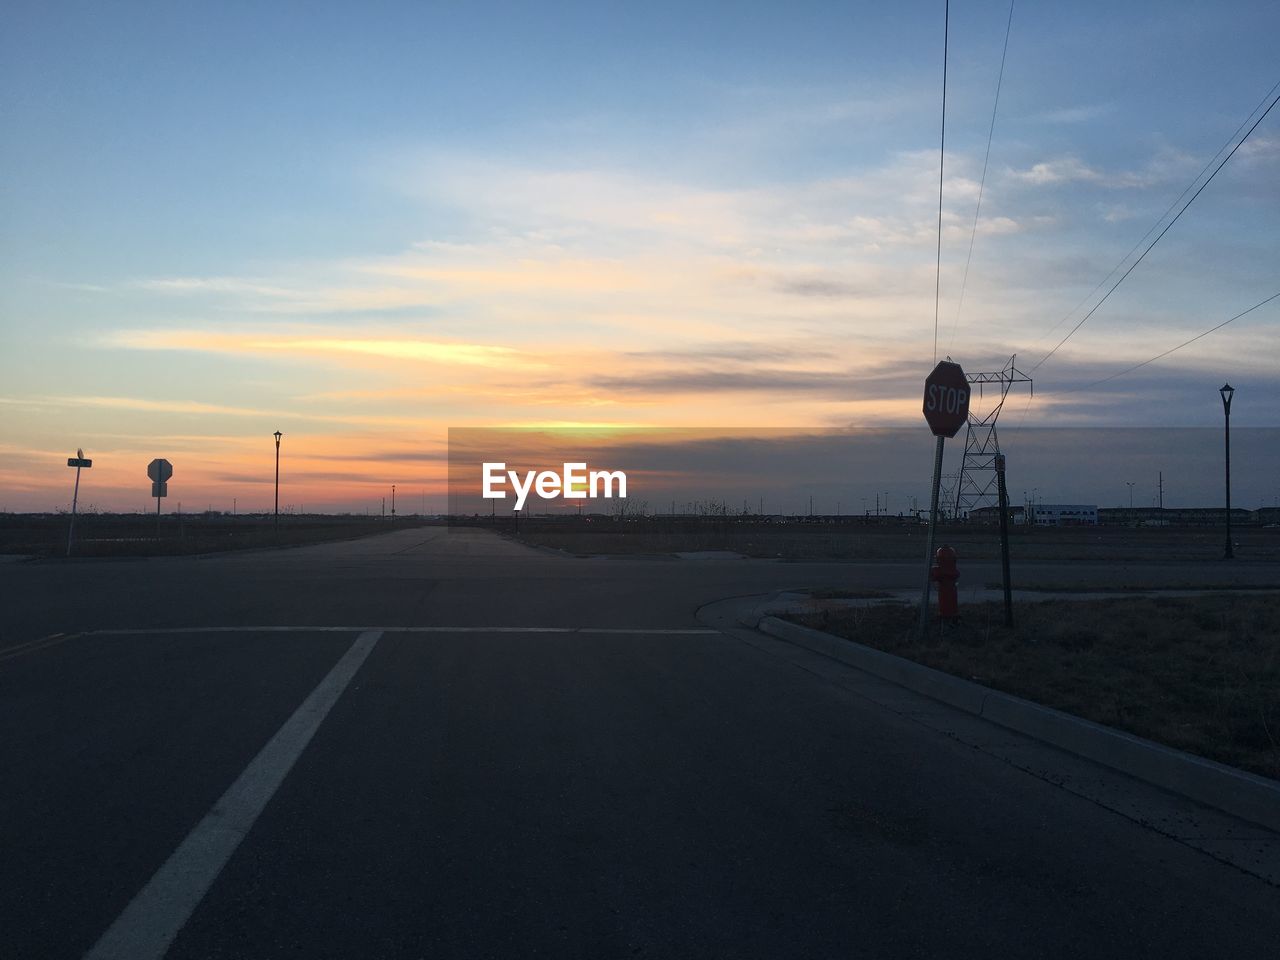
(148, 925)
(32, 646)
(657, 631)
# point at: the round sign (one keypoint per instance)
(946, 399)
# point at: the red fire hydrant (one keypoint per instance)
(944, 574)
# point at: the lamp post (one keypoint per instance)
(1129, 484)
(277, 435)
(1227, 393)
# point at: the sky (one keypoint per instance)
(365, 224)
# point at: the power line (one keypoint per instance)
(942, 159)
(1135, 263)
(1160, 219)
(983, 181)
(1027, 408)
(1184, 343)
(1159, 356)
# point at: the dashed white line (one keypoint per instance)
(151, 921)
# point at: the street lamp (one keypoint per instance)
(1227, 393)
(1129, 483)
(278, 435)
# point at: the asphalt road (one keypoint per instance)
(443, 744)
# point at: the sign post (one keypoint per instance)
(1004, 540)
(79, 462)
(159, 471)
(946, 409)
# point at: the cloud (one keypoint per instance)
(1117, 213)
(388, 456)
(763, 379)
(1259, 150)
(735, 352)
(1166, 166)
(197, 408)
(821, 287)
(207, 285)
(1076, 114)
(605, 288)
(888, 380)
(439, 352)
(1061, 170)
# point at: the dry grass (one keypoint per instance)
(1201, 674)
(853, 539)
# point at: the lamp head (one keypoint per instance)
(1227, 392)
(278, 435)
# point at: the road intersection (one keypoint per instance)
(444, 743)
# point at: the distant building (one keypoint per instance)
(992, 514)
(1064, 514)
(1178, 516)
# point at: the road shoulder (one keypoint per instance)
(946, 704)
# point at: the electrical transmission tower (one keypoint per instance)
(976, 482)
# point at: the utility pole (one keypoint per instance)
(1161, 488)
(975, 485)
(393, 501)
(277, 435)
(1227, 393)
(1003, 496)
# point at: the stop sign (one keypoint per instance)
(159, 470)
(946, 399)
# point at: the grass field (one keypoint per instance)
(853, 539)
(1201, 674)
(135, 535)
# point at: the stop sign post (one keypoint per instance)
(159, 471)
(946, 399)
(946, 410)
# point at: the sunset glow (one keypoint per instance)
(720, 240)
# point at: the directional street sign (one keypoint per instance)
(159, 471)
(946, 399)
(79, 462)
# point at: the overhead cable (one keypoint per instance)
(1144, 253)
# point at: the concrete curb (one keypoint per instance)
(1241, 794)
